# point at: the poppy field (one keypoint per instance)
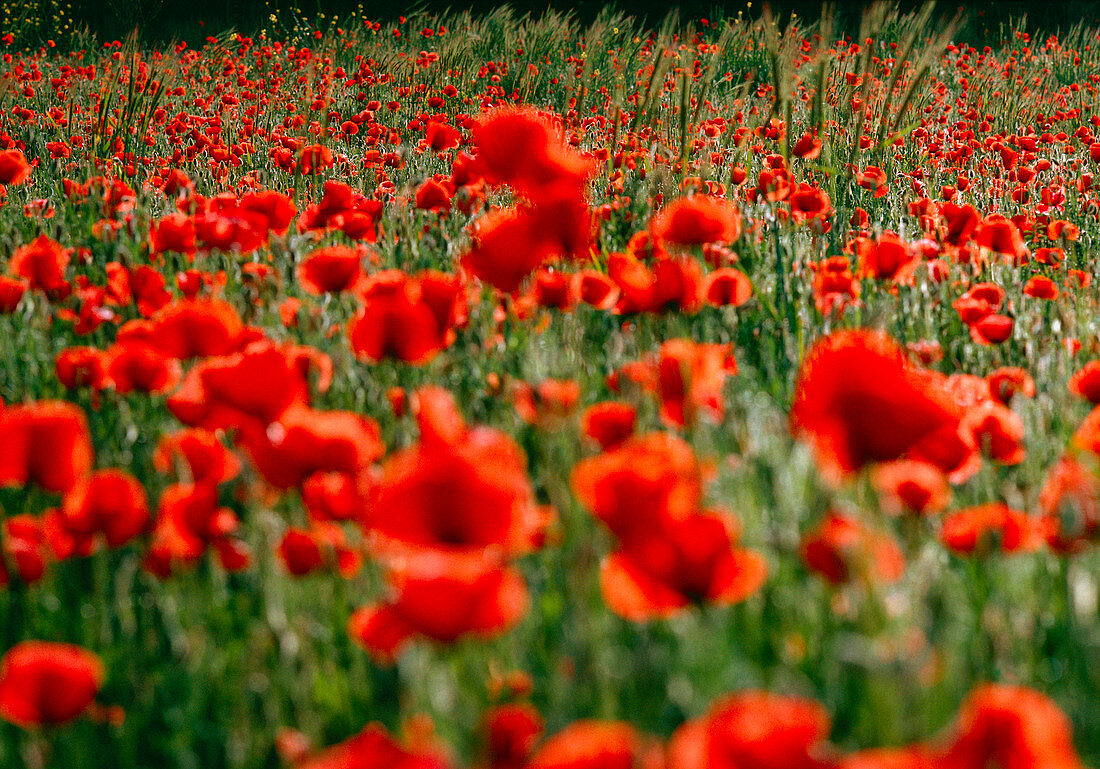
(497, 392)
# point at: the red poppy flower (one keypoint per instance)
(177, 182)
(808, 147)
(47, 684)
(27, 546)
(596, 745)
(596, 289)
(111, 503)
(842, 548)
(873, 178)
(888, 258)
(275, 207)
(970, 530)
(372, 748)
(662, 570)
(334, 269)
(197, 328)
(14, 168)
(774, 184)
(553, 288)
(1000, 234)
(519, 147)
(249, 389)
(696, 220)
(810, 204)
(338, 496)
(997, 429)
(645, 480)
(149, 288)
(304, 441)
(343, 209)
(189, 521)
(11, 293)
(440, 136)
(511, 734)
(81, 367)
(910, 486)
(174, 232)
(981, 301)
(1060, 228)
(411, 318)
(1011, 727)
(671, 284)
(304, 551)
(1041, 287)
(458, 490)
(547, 403)
(1050, 256)
(609, 424)
(1006, 382)
(134, 366)
(509, 244)
(42, 263)
(727, 287)
(859, 400)
(961, 223)
(200, 452)
(227, 226)
(1069, 502)
(559, 212)
(442, 597)
(46, 443)
(992, 329)
(1086, 382)
(754, 730)
(835, 286)
(314, 159)
(690, 378)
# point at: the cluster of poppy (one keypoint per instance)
(998, 725)
(48, 684)
(529, 211)
(647, 490)
(447, 517)
(861, 401)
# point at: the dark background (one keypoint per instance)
(164, 20)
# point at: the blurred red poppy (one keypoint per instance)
(859, 400)
(47, 684)
(1011, 727)
(597, 745)
(842, 549)
(696, 220)
(14, 168)
(727, 287)
(753, 730)
(200, 453)
(994, 526)
(441, 597)
(659, 571)
(372, 748)
(46, 443)
(609, 423)
(107, 503)
(334, 269)
(42, 263)
(459, 490)
(303, 441)
(410, 318)
(511, 735)
(1086, 382)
